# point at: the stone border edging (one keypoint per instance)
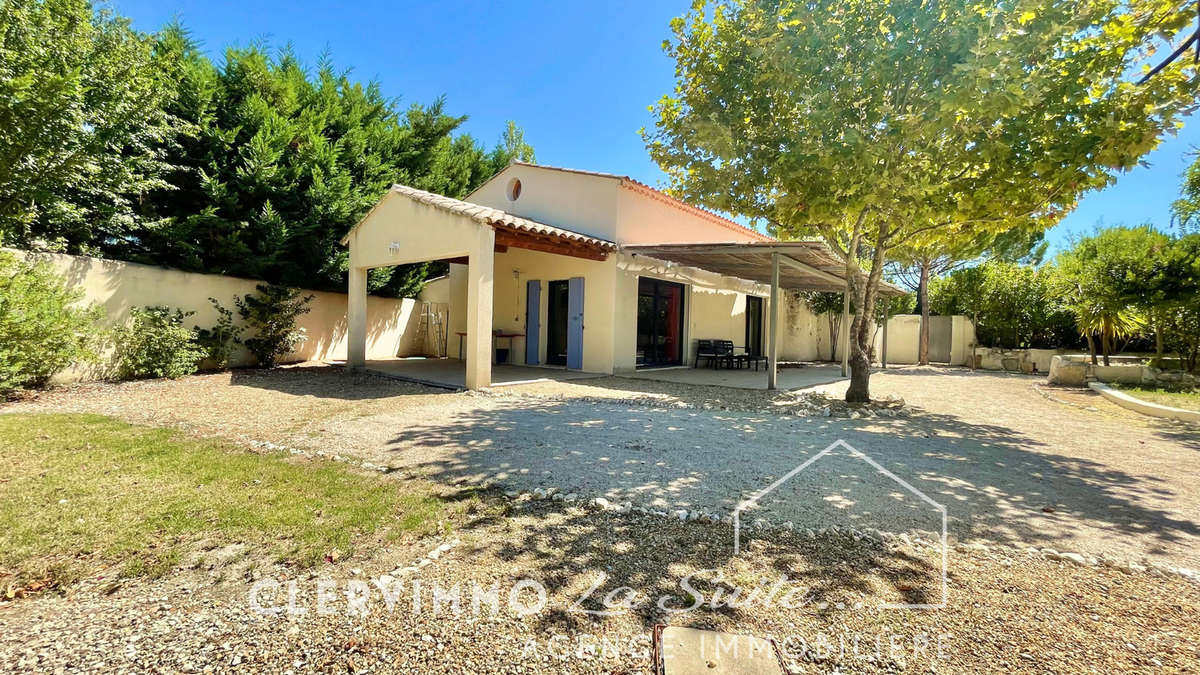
(1144, 407)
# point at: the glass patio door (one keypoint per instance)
(659, 323)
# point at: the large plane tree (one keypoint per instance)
(879, 124)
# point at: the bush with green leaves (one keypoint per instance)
(218, 342)
(43, 330)
(155, 343)
(1013, 306)
(271, 315)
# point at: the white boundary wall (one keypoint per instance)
(393, 326)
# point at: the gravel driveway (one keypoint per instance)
(1010, 463)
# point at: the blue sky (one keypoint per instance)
(578, 76)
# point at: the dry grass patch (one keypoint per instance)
(80, 491)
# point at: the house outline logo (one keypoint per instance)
(854, 452)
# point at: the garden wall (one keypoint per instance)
(951, 344)
(393, 326)
(1015, 360)
(1077, 370)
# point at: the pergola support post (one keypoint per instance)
(480, 286)
(773, 343)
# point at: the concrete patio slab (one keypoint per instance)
(451, 373)
(745, 378)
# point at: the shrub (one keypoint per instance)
(271, 314)
(155, 343)
(217, 342)
(42, 328)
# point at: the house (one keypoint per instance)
(585, 271)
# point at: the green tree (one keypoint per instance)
(1186, 210)
(83, 125)
(915, 266)
(284, 161)
(879, 124)
(1012, 305)
(1101, 278)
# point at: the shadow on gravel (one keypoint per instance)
(322, 381)
(592, 562)
(994, 481)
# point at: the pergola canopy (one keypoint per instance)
(803, 265)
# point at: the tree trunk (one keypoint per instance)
(923, 299)
(1091, 347)
(1158, 341)
(1105, 345)
(863, 328)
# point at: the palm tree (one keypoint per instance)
(1109, 324)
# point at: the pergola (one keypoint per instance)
(795, 265)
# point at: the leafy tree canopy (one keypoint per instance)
(142, 148)
(83, 124)
(892, 122)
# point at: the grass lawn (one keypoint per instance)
(81, 491)
(1188, 400)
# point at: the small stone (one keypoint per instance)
(681, 514)
(602, 503)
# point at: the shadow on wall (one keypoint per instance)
(392, 324)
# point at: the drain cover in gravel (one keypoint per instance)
(689, 651)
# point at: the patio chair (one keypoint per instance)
(724, 353)
(705, 350)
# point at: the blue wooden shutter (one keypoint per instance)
(533, 320)
(575, 323)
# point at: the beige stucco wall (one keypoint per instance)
(601, 206)
(436, 290)
(119, 286)
(424, 232)
(581, 203)
(903, 339)
(516, 267)
(646, 218)
(714, 306)
(803, 335)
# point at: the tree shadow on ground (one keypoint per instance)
(325, 381)
(996, 482)
(582, 555)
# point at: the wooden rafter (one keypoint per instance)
(549, 244)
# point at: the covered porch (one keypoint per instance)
(413, 226)
(780, 265)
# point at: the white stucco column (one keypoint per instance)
(356, 318)
(480, 289)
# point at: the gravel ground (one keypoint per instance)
(1007, 610)
(1013, 463)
